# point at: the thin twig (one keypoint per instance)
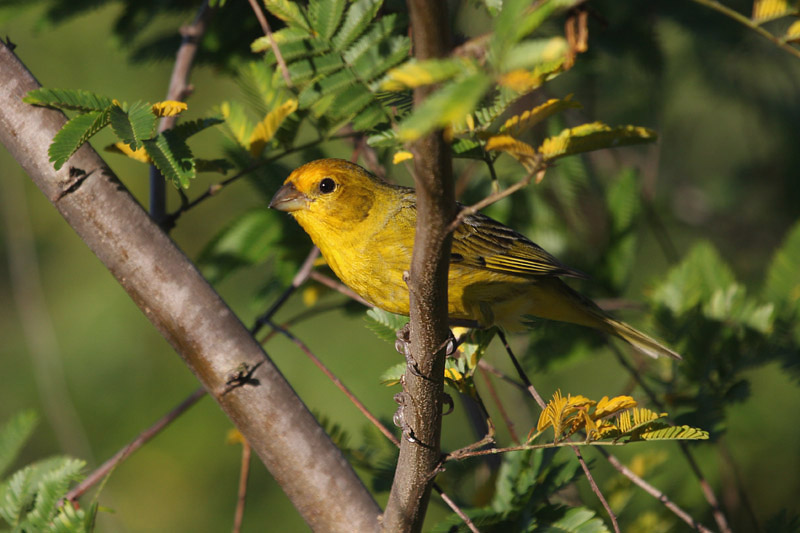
(521, 372)
(241, 498)
(456, 509)
(179, 89)
(134, 445)
(705, 486)
(299, 278)
(538, 171)
(337, 286)
(336, 381)
(743, 20)
(503, 413)
(275, 50)
(596, 489)
(654, 492)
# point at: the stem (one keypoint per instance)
(179, 89)
(596, 489)
(744, 21)
(143, 437)
(241, 498)
(275, 50)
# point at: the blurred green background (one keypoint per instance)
(725, 102)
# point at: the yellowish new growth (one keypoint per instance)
(266, 129)
(139, 155)
(168, 108)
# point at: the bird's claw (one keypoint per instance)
(403, 400)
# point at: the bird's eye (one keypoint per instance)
(327, 185)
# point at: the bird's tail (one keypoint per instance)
(555, 300)
(637, 339)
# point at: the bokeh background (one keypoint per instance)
(726, 104)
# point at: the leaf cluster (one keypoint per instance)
(133, 124)
(30, 498)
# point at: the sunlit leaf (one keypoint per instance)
(139, 155)
(675, 433)
(325, 16)
(526, 120)
(168, 108)
(519, 150)
(68, 99)
(593, 136)
(401, 156)
(358, 17)
(134, 125)
(172, 156)
(416, 73)
(74, 133)
(449, 104)
(266, 129)
(606, 407)
(289, 12)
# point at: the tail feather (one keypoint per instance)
(638, 340)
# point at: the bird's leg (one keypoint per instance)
(448, 401)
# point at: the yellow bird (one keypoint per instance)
(365, 228)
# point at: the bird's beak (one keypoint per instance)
(289, 199)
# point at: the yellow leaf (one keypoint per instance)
(793, 33)
(234, 437)
(593, 136)
(606, 407)
(401, 156)
(413, 73)
(557, 413)
(139, 155)
(519, 123)
(266, 129)
(168, 108)
(764, 10)
(520, 80)
(311, 295)
(519, 150)
(635, 418)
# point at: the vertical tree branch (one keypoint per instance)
(178, 89)
(188, 312)
(427, 284)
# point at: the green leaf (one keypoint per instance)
(674, 433)
(282, 37)
(385, 324)
(289, 12)
(783, 277)
(593, 136)
(325, 16)
(74, 133)
(68, 99)
(378, 31)
(380, 59)
(13, 436)
(306, 69)
(451, 103)
(391, 376)
(577, 520)
(172, 157)
(248, 240)
(350, 102)
(546, 54)
(135, 125)
(359, 15)
(694, 280)
(414, 73)
(53, 486)
(370, 117)
(192, 127)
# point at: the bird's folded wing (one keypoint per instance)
(483, 243)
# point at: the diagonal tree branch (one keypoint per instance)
(188, 312)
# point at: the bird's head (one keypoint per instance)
(329, 192)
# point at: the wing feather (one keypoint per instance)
(484, 243)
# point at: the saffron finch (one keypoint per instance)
(365, 229)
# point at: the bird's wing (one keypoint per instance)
(483, 243)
